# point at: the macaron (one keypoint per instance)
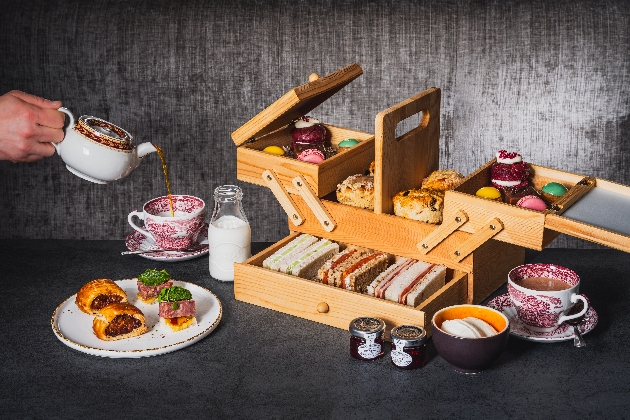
(489, 192)
(311, 156)
(554, 188)
(532, 202)
(348, 143)
(274, 150)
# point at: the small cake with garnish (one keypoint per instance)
(509, 172)
(150, 284)
(308, 133)
(176, 307)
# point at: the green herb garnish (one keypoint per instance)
(174, 294)
(154, 277)
(174, 306)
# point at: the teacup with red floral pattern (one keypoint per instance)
(544, 310)
(176, 232)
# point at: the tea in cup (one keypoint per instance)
(543, 294)
(171, 232)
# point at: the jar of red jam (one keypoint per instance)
(366, 338)
(409, 347)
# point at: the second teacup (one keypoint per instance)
(171, 232)
(542, 294)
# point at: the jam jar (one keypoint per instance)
(409, 346)
(366, 338)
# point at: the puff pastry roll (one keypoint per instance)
(119, 320)
(99, 293)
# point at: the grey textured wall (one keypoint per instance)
(548, 79)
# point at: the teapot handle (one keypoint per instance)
(70, 124)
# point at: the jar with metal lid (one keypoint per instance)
(409, 344)
(366, 338)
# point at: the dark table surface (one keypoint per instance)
(260, 363)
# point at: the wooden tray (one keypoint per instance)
(333, 306)
(273, 125)
(608, 224)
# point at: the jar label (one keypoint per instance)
(370, 349)
(400, 358)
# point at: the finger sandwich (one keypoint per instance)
(306, 263)
(408, 282)
(288, 252)
(352, 269)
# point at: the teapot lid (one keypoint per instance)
(104, 132)
(296, 103)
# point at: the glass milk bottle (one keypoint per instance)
(229, 234)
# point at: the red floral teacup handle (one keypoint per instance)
(574, 299)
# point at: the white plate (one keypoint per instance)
(136, 241)
(518, 329)
(74, 328)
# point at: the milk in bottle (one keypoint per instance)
(229, 234)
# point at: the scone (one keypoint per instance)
(424, 205)
(442, 180)
(358, 191)
(97, 294)
(118, 321)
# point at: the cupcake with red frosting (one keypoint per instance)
(509, 172)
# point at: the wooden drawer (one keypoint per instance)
(333, 306)
(593, 209)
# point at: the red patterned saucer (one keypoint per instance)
(136, 241)
(518, 329)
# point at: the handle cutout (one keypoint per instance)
(412, 125)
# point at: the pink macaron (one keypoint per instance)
(311, 156)
(532, 202)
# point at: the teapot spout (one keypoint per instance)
(145, 149)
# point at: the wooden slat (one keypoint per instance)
(588, 232)
(311, 199)
(283, 197)
(401, 163)
(464, 249)
(442, 232)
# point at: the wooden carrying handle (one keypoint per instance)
(402, 162)
(283, 197)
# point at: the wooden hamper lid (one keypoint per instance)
(296, 103)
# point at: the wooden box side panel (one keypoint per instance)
(383, 232)
(491, 264)
(299, 297)
(520, 226)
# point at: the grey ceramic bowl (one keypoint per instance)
(470, 355)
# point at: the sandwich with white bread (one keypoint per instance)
(302, 256)
(287, 253)
(408, 282)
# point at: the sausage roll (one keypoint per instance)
(99, 293)
(119, 320)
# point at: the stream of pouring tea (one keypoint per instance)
(168, 182)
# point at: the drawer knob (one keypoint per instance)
(322, 307)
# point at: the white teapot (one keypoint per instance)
(99, 151)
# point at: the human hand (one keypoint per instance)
(28, 125)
